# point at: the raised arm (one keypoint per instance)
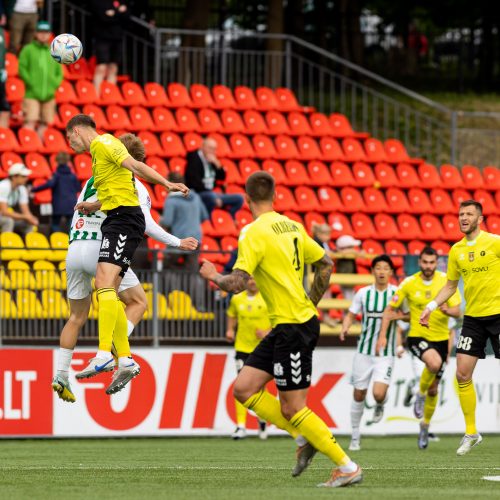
(235, 282)
(322, 271)
(444, 294)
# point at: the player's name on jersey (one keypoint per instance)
(282, 227)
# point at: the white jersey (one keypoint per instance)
(371, 303)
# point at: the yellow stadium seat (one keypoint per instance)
(12, 246)
(8, 308)
(163, 311)
(37, 247)
(62, 265)
(20, 275)
(4, 279)
(59, 243)
(28, 305)
(46, 276)
(182, 307)
(54, 305)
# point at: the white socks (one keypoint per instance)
(300, 440)
(63, 361)
(125, 361)
(350, 467)
(357, 408)
(131, 327)
(103, 355)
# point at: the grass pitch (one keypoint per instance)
(219, 468)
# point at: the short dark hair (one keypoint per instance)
(80, 120)
(382, 258)
(134, 146)
(472, 203)
(260, 186)
(175, 177)
(428, 251)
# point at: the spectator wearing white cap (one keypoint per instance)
(348, 246)
(15, 213)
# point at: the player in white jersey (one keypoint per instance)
(370, 302)
(81, 264)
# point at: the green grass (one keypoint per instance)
(219, 468)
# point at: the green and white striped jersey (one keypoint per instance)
(371, 303)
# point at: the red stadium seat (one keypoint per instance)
(254, 122)
(319, 174)
(232, 122)
(155, 95)
(352, 201)
(276, 170)
(243, 217)
(385, 226)
(298, 123)
(80, 70)
(451, 228)
(232, 173)
(192, 141)
(200, 96)
(493, 223)
(54, 141)
(419, 201)
(223, 223)
(83, 166)
(306, 199)
(441, 202)
(396, 201)
(372, 247)
(209, 121)
(342, 128)
(247, 168)
(264, 147)
(223, 97)
(155, 203)
(294, 216)
(178, 96)
(375, 151)
(42, 197)
(393, 247)
(161, 195)
(65, 93)
(285, 148)
(97, 114)
(223, 148)
(308, 148)
(431, 227)
(408, 227)
(491, 176)
(396, 153)
(340, 225)
(363, 175)
(133, 95)
(296, 174)
(29, 141)
(9, 158)
(312, 219)
(14, 89)
(245, 98)
(287, 101)
(486, 199)
(210, 247)
(320, 125)
(429, 176)
(386, 175)
(472, 177)
(110, 94)
(67, 111)
(177, 164)
(228, 244)
(241, 146)
(266, 99)
(171, 145)
(341, 174)
(459, 195)
(140, 119)
(117, 118)
(159, 165)
(186, 120)
(164, 120)
(441, 247)
(330, 149)
(363, 226)
(451, 178)
(8, 141)
(284, 199)
(374, 201)
(408, 176)
(353, 151)
(329, 200)
(38, 165)
(11, 64)
(276, 123)
(415, 247)
(152, 144)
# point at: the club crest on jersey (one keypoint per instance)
(79, 223)
(428, 294)
(483, 253)
(471, 256)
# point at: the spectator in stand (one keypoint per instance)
(42, 77)
(15, 214)
(4, 105)
(23, 20)
(203, 170)
(109, 18)
(65, 188)
(322, 234)
(349, 247)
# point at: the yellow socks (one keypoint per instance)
(467, 396)
(309, 425)
(268, 408)
(426, 380)
(108, 307)
(241, 414)
(430, 407)
(120, 334)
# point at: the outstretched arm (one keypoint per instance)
(322, 272)
(235, 282)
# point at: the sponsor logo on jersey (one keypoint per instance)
(79, 223)
(105, 243)
(483, 253)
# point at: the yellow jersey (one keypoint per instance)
(418, 293)
(251, 313)
(478, 262)
(274, 250)
(115, 184)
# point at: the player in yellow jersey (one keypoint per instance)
(274, 250)
(247, 324)
(475, 258)
(113, 170)
(429, 344)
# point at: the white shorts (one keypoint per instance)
(366, 368)
(81, 266)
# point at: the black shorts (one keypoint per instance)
(4, 105)
(419, 345)
(286, 353)
(108, 51)
(240, 359)
(122, 232)
(475, 334)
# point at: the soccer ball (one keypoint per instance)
(66, 49)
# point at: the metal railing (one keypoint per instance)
(319, 78)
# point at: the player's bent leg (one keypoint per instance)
(429, 408)
(136, 303)
(433, 363)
